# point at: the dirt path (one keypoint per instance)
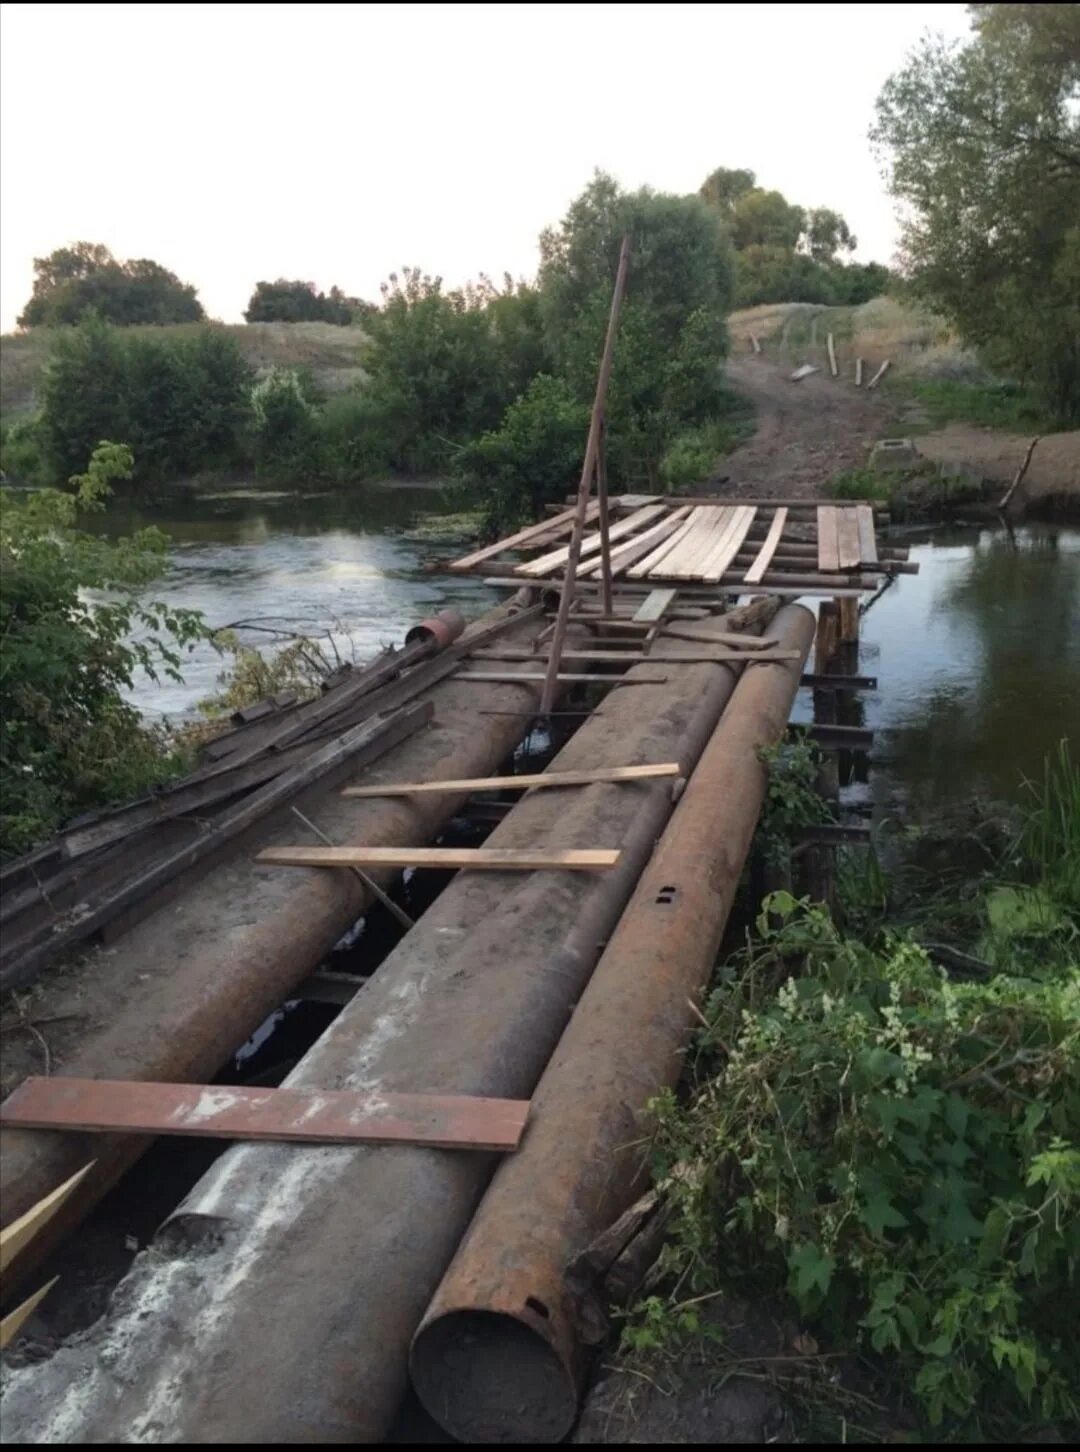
(1054, 471)
(806, 431)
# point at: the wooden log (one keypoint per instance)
(880, 374)
(521, 783)
(236, 1111)
(831, 350)
(858, 372)
(468, 859)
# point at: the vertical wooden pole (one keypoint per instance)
(585, 485)
(602, 500)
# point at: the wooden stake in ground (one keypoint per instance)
(858, 372)
(1019, 474)
(832, 355)
(547, 698)
(880, 374)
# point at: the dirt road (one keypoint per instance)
(806, 431)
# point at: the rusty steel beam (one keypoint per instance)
(500, 1354)
(277, 1304)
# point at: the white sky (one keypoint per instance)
(337, 142)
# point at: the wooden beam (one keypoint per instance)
(656, 603)
(235, 1111)
(20, 1232)
(831, 350)
(467, 859)
(847, 539)
(828, 539)
(564, 520)
(520, 678)
(519, 783)
(768, 549)
(546, 564)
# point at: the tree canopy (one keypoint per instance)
(86, 277)
(300, 302)
(982, 144)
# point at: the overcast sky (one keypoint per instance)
(337, 142)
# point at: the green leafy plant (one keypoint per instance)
(75, 627)
(898, 1153)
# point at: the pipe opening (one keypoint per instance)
(538, 1306)
(487, 1377)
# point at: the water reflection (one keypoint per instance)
(334, 565)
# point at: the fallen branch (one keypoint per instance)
(1019, 474)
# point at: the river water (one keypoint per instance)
(977, 656)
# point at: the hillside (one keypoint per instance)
(331, 353)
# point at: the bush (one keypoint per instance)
(899, 1152)
(693, 454)
(287, 442)
(68, 739)
(532, 459)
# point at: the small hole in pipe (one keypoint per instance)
(538, 1306)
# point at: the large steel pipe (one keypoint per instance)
(499, 1357)
(176, 996)
(279, 1302)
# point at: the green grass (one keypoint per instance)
(998, 405)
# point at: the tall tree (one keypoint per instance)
(826, 233)
(723, 187)
(982, 144)
(86, 277)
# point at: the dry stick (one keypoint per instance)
(369, 882)
(566, 595)
(1019, 474)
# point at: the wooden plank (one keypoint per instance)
(636, 501)
(235, 1111)
(12, 1323)
(556, 559)
(465, 859)
(868, 551)
(520, 678)
(641, 544)
(847, 539)
(673, 541)
(562, 521)
(692, 557)
(20, 1232)
(634, 657)
(828, 542)
(656, 602)
(858, 372)
(722, 557)
(734, 516)
(520, 783)
(768, 549)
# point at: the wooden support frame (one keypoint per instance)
(236, 1111)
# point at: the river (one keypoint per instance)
(978, 656)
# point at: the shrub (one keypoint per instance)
(68, 739)
(899, 1152)
(287, 442)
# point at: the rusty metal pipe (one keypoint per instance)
(499, 1356)
(297, 1275)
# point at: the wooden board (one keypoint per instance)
(847, 539)
(768, 549)
(520, 783)
(514, 541)
(470, 859)
(868, 552)
(507, 678)
(233, 1111)
(20, 1232)
(556, 559)
(634, 657)
(679, 562)
(672, 543)
(729, 547)
(703, 634)
(655, 604)
(628, 553)
(828, 543)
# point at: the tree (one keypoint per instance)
(723, 188)
(85, 277)
(826, 233)
(766, 219)
(299, 302)
(982, 144)
(672, 334)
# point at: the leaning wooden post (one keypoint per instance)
(588, 468)
(602, 517)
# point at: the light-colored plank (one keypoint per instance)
(20, 1232)
(868, 554)
(673, 541)
(520, 783)
(692, 559)
(880, 374)
(858, 372)
(722, 556)
(523, 536)
(636, 501)
(702, 523)
(768, 549)
(830, 348)
(847, 539)
(622, 657)
(505, 678)
(12, 1323)
(626, 554)
(828, 546)
(468, 859)
(703, 635)
(656, 602)
(556, 559)
(238, 1111)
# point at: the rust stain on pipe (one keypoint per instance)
(499, 1355)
